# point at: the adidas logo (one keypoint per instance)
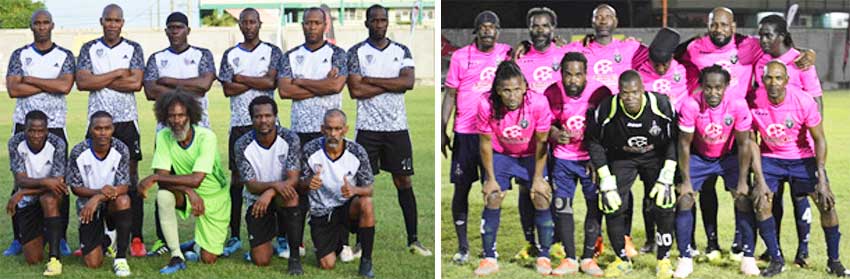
(56, 65)
(125, 56)
(325, 61)
(395, 59)
(263, 58)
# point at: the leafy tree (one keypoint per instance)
(16, 13)
(218, 19)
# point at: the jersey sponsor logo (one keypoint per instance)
(713, 133)
(638, 144)
(776, 134)
(513, 135)
(575, 128)
(542, 74)
(488, 74)
(603, 67)
(662, 86)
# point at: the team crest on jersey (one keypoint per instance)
(677, 77)
(87, 169)
(727, 120)
(369, 58)
(299, 59)
(654, 130)
(163, 63)
(555, 66)
(236, 62)
(281, 158)
(28, 61)
(734, 59)
(99, 52)
(523, 123)
(618, 57)
(789, 122)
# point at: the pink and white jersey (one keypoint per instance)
(735, 57)
(605, 63)
(541, 69)
(513, 135)
(784, 127)
(471, 72)
(807, 80)
(569, 113)
(713, 127)
(674, 83)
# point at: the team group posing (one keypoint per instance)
(550, 114)
(282, 174)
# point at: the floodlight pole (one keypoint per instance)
(663, 13)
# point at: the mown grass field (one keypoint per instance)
(390, 256)
(510, 238)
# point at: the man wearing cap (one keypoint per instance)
(179, 65)
(111, 69)
(471, 72)
(661, 73)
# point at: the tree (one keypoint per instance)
(16, 13)
(218, 19)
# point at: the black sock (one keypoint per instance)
(64, 209)
(407, 201)
(235, 209)
(367, 240)
(565, 228)
(665, 219)
(304, 209)
(159, 235)
(123, 222)
(526, 216)
(592, 227)
(708, 205)
(778, 211)
(54, 234)
(630, 213)
(460, 209)
(648, 218)
(281, 221)
(616, 231)
(292, 217)
(137, 209)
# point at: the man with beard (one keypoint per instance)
(268, 160)
(569, 101)
(470, 75)
(337, 174)
(179, 65)
(381, 72)
(632, 134)
(111, 68)
(37, 161)
(99, 174)
(248, 70)
(198, 184)
(39, 76)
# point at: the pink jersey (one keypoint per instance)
(541, 69)
(735, 57)
(513, 135)
(605, 63)
(784, 127)
(674, 83)
(569, 113)
(713, 126)
(471, 72)
(807, 80)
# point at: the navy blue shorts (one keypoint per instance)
(801, 174)
(507, 167)
(704, 168)
(567, 173)
(466, 166)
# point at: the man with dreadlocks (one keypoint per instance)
(513, 125)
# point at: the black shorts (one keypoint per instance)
(329, 232)
(466, 166)
(389, 151)
(304, 138)
(30, 222)
(261, 230)
(128, 133)
(92, 234)
(235, 134)
(59, 132)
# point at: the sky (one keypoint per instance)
(137, 14)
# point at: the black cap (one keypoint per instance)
(662, 47)
(487, 16)
(178, 17)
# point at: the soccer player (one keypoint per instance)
(99, 174)
(710, 125)
(632, 134)
(793, 149)
(248, 70)
(381, 71)
(470, 75)
(513, 125)
(661, 73)
(268, 160)
(569, 101)
(39, 76)
(198, 185)
(37, 160)
(338, 176)
(111, 69)
(312, 75)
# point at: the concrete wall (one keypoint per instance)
(219, 39)
(828, 43)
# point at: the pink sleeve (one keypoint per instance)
(686, 115)
(813, 117)
(453, 76)
(484, 115)
(811, 82)
(743, 121)
(544, 115)
(749, 50)
(640, 56)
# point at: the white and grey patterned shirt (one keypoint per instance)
(47, 162)
(97, 57)
(386, 111)
(252, 63)
(28, 61)
(190, 63)
(266, 164)
(302, 63)
(352, 164)
(85, 169)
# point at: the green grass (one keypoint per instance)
(390, 257)
(510, 237)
